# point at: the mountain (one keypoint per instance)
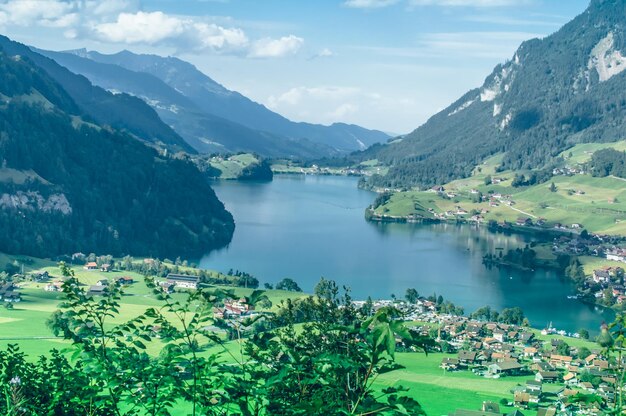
(567, 88)
(120, 111)
(69, 184)
(214, 99)
(205, 132)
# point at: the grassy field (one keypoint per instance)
(231, 167)
(599, 204)
(581, 153)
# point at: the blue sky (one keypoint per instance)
(385, 64)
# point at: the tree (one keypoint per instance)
(268, 286)
(488, 180)
(583, 352)
(289, 285)
(513, 316)
(553, 187)
(411, 295)
(326, 289)
(584, 334)
(482, 314)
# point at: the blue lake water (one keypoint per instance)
(305, 227)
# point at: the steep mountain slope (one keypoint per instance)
(558, 91)
(70, 185)
(214, 99)
(121, 111)
(205, 132)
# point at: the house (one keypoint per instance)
(521, 399)
(103, 282)
(11, 297)
(449, 364)
(570, 379)
(505, 368)
(522, 221)
(183, 281)
(92, 265)
(54, 286)
(105, 268)
(125, 280)
(40, 277)
(167, 287)
(601, 276)
(534, 385)
(526, 338)
(437, 188)
(467, 357)
(547, 376)
(560, 361)
(97, 290)
(500, 335)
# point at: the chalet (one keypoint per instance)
(467, 357)
(500, 335)
(103, 282)
(521, 399)
(105, 268)
(437, 188)
(92, 265)
(474, 191)
(40, 277)
(547, 376)
(527, 338)
(616, 255)
(570, 379)
(560, 361)
(521, 221)
(534, 385)
(125, 280)
(167, 287)
(54, 286)
(530, 352)
(8, 293)
(601, 276)
(96, 290)
(449, 364)
(505, 368)
(11, 297)
(183, 281)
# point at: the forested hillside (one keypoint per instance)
(68, 184)
(121, 111)
(555, 92)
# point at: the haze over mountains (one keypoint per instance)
(210, 117)
(567, 88)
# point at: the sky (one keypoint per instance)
(382, 64)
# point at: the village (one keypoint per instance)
(557, 376)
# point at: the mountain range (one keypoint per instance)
(208, 116)
(564, 89)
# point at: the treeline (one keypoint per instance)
(607, 162)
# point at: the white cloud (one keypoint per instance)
(27, 12)
(140, 27)
(369, 4)
(158, 28)
(275, 48)
(122, 22)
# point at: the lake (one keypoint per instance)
(305, 227)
